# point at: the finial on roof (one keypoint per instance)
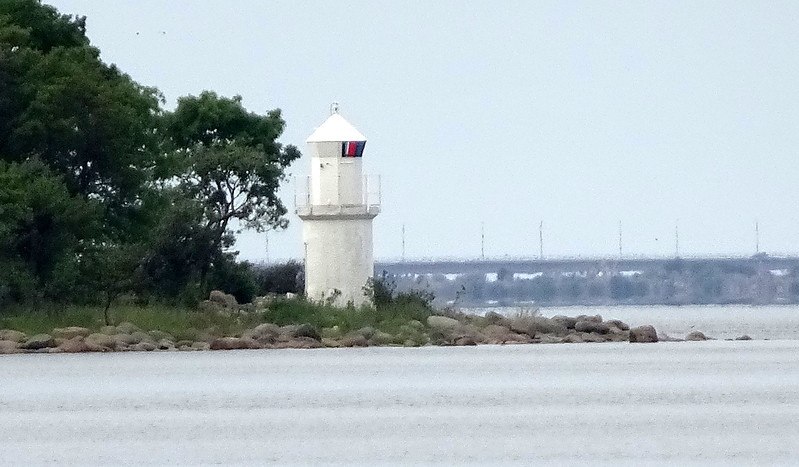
(334, 108)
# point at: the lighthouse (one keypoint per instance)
(337, 210)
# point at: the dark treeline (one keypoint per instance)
(677, 282)
(103, 192)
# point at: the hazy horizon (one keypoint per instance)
(578, 114)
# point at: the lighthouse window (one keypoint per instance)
(352, 148)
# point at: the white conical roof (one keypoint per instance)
(335, 128)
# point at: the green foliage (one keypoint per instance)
(280, 278)
(388, 318)
(43, 233)
(382, 293)
(234, 278)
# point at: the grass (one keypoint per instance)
(183, 323)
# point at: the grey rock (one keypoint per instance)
(226, 300)
(102, 340)
(594, 318)
(618, 324)
(233, 343)
(127, 328)
(144, 347)
(591, 326)
(573, 339)
(12, 335)
(39, 341)
(7, 347)
(644, 333)
(695, 336)
(353, 340)
(566, 321)
(743, 338)
(201, 346)
(165, 344)
(465, 340)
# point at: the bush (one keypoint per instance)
(237, 279)
(280, 279)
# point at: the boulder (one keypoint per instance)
(11, 335)
(39, 341)
(222, 298)
(102, 340)
(127, 328)
(328, 342)
(594, 337)
(550, 339)
(144, 347)
(644, 333)
(233, 343)
(141, 336)
(695, 336)
(125, 339)
(307, 330)
(591, 326)
(535, 325)
(621, 325)
(7, 347)
(566, 321)
(76, 345)
(465, 340)
(442, 322)
(201, 346)
(266, 330)
(70, 332)
(299, 343)
(353, 340)
(594, 318)
(743, 338)
(573, 338)
(165, 344)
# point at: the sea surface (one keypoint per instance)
(695, 403)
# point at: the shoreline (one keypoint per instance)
(453, 329)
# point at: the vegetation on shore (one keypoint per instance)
(104, 193)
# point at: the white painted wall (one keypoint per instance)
(335, 179)
(338, 256)
(337, 227)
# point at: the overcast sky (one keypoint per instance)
(578, 114)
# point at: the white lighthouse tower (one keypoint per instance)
(337, 212)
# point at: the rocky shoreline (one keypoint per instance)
(492, 328)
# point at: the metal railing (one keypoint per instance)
(371, 194)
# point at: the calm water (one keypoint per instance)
(714, 402)
(719, 321)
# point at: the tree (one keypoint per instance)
(43, 233)
(227, 159)
(90, 123)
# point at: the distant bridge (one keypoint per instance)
(590, 265)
